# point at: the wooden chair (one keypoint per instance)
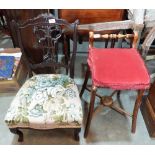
(148, 105)
(47, 101)
(115, 68)
(19, 15)
(146, 50)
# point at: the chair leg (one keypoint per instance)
(91, 110)
(136, 108)
(118, 95)
(85, 81)
(18, 132)
(76, 133)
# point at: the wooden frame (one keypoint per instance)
(43, 24)
(20, 134)
(113, 37)
(146, 46)
(148, 105)
(87, 16)
(96, 32)
(47, 32)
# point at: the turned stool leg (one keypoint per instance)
(136, 108)
(91, 110)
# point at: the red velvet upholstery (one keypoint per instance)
(118, 68)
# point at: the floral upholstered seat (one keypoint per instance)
(46, 101)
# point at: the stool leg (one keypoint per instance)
(136, 108)
(118, 95)
(18, 132)
(76, 133)
(90, 113)
(85, 82)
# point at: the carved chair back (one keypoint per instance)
(47, 34)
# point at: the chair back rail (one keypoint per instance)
(115, 25)
(113, 38)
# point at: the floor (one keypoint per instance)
(107, 127)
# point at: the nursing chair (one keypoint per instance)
(50, 100)
(115, 68)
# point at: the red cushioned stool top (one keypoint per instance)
(118, 68)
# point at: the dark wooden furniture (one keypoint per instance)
(2, 21)
(148, 111)
(100, 80)
(148, 106)
(46, 32)
(19, 15)
(90, 16)
(87, 16)
(147, 48)
(44, 38)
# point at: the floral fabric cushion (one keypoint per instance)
(46, 101)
